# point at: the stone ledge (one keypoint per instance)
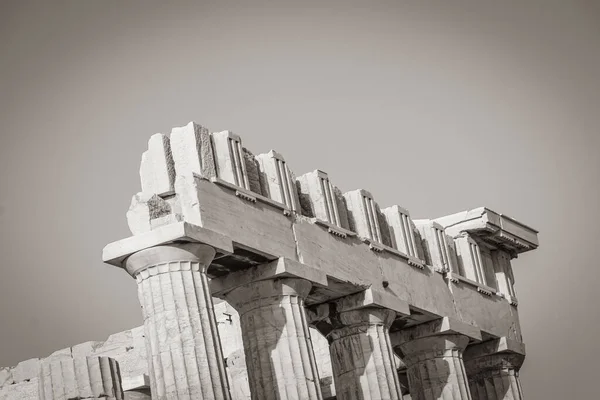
(333, 229)
(481, 288)
(280, 268)
(115, 253)
(495, 346)
(251, 196)
(367, 298)
(372, 298)
(441, 326)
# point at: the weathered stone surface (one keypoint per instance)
(6, 376)
(192, 150)
(245, 210)
(493, 228)
(436, 245)
(504, 275)
(129, 349)
(85, 349)
(65, 378)
(138, 382)
(157, 170)
(491, 314)
(319, 199)
(362, 357)
(441, 326)
(279, 183)
(26, 370)
(401, 233)
(253, 171)
(433, 355)
(217, 208)
(27, 390)
(280, 268)
(115, 253)
(363, 214)
(493, 369)
(277, 345)
(229, 159)
(148, 211)
(182, 341)
(323, 358)
(345, 259)
(435, 367)
(238, 375)
(142, 394)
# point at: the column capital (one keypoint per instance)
(116, 253)
(357, 329)
(494, 355)
(432, 352)
(493, 369)
(367, 299)
(494, 346)
(197, 254)
(493, 363)
(429, 347)
(347, 320)
(266, 292)
(278, 269)
(277, 345)
(439, 327)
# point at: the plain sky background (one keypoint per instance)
(438, 106)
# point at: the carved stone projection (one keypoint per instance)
(493, 369)
(316, 288)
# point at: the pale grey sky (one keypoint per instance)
(438, 106)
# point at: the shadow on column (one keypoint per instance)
(277, 346)
(435, 368)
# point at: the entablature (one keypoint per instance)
(254, 211)
(495, 229)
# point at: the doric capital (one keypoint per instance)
(278, 269)
(494, 355)
(432, 346)
(267, 292)
(364, 316)
(170, 257)
(439, 327)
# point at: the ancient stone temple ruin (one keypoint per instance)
(257, 284)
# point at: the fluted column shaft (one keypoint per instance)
(182, 341)
(362, 357)
(435, 367)
(495, 377)
(279, 354)
(79, 378)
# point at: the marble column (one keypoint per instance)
(362, 357)
(279, 354)
(182, 341)
(435, 367)
(79, 378)
(495, 376)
